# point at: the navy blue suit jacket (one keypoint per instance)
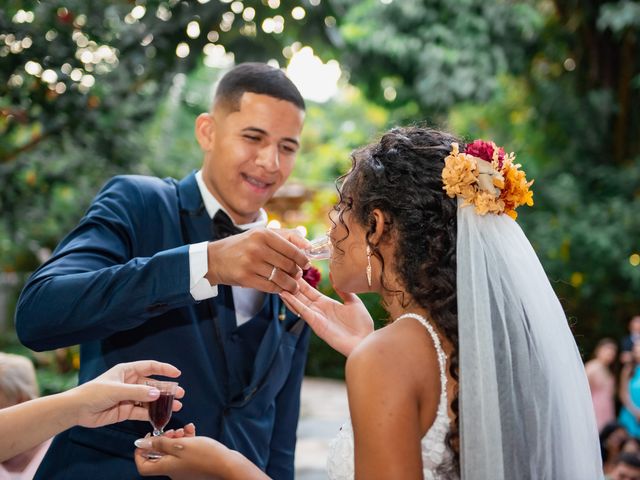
(118, 284)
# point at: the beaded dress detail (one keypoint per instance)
(435, 454)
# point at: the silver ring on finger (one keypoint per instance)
(273, 273)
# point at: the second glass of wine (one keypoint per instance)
(160, 410)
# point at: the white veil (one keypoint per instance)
(525, 407)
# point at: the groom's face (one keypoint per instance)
(249, 153)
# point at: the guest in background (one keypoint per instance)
(612, 437)
(627, 467)
(18, 384)
(630, 445)
(627, 342)
(602, 382)
(630, 394)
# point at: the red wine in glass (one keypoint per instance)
(160, 412)
(160, 409)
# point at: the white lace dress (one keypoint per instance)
(434, 451)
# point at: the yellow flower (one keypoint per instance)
(459, 174)
(496, 187)
(516, 187)
(486, 202)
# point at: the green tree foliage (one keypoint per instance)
(80, 87)
(576, 101)
(556, 81)
(583, 225)
(106, 63)
(116, 98)
(426, 56)
(80, 79)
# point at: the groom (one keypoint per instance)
(148, 274)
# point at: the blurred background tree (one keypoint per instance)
(81, 81)
(556, 81)
(92, 89)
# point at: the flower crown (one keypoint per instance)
(486, 178)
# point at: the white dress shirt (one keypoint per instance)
(247, 301)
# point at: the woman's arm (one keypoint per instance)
(194, 458)
(593, 373)
(27, 424)
(625, 398)
(107, 399)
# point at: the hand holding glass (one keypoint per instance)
(160, 409)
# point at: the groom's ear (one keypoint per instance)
(377, 226)
(205, 130)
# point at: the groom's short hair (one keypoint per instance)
(258, 78)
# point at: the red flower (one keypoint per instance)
(484, 150)
(312, 276)
(65, 16)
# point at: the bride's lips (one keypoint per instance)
(257, 184)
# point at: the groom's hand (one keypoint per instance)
(265, 259)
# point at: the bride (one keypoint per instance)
(477, 375)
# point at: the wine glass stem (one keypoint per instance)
(157, 433)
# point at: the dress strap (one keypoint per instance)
(442, 357)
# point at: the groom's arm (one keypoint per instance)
(94, 284)
(283, 440)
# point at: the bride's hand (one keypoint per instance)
(341, 325)
(188, 457)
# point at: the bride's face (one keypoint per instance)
(348, 262)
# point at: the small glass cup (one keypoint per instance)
(160, 410)
(320, 249)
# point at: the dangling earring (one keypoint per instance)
(369, 265)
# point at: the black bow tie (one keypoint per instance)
(223, 227)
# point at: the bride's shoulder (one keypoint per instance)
(395, 353)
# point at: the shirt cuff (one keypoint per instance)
(199, 287)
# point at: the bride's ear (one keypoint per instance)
(377, 226)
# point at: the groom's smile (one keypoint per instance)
(250, 152)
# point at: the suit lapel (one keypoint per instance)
(194, 219)
(197, 227)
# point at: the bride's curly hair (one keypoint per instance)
(401, 175)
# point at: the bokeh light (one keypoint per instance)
(317, 81)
